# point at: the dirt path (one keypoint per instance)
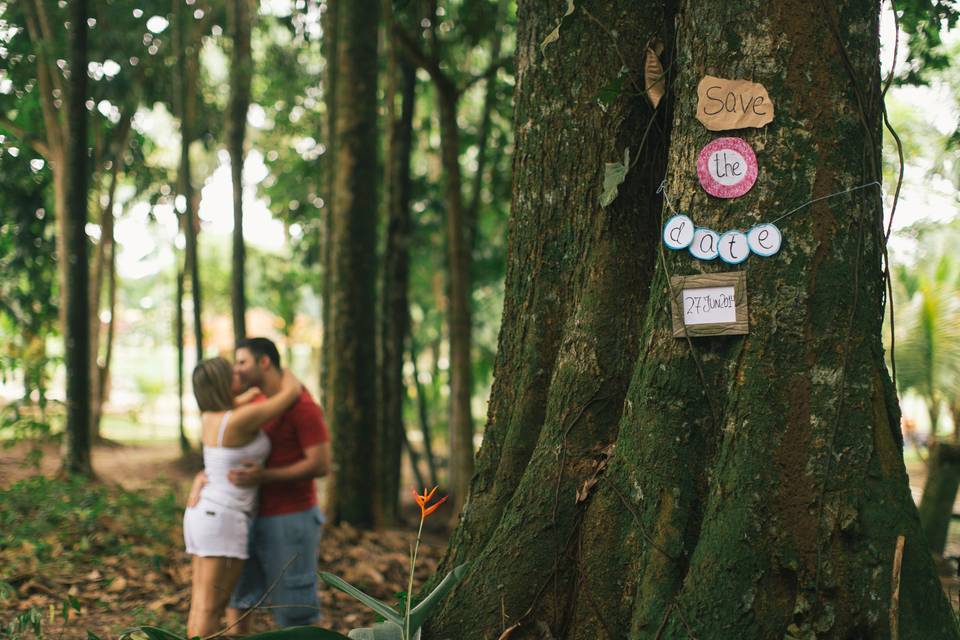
(132, 467)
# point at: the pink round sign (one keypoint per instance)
(727, 168)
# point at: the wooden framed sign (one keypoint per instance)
(710, 304)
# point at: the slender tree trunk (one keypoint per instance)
(56, 130)
(729, 487)
(178, 337)
(939, 494)
(351, 366)
(933, 412)
(458, 259)
(414, 458)
(955, 416)
(483, 134)
(423, 415)
(331, 28)
(104, 267)
(241, 71)
(185, 97)
(77, 311)
(104, 370)
(394, 305)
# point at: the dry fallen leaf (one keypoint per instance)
(118, 585)
(506, 633)
(653, 78)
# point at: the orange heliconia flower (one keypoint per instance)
(422, 500)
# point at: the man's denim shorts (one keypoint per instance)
(283, 554)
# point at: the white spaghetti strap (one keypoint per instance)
(223, 426)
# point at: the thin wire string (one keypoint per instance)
(666, 198)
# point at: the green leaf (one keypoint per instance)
(554, 35)
(384, 631)
(299, 633)
(153, 633)
(614, 173)
(420, 612)
(380, 607)
(92, 636)
(612, 90)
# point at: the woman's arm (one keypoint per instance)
(246, 397)
(248, 418)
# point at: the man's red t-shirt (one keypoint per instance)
(300, 427)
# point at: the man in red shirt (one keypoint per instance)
(286, 533)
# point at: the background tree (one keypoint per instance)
(632, 484)
(239, 18)
(448, 90)
(28, 295)
(401, 82)
(351, 378)
(77, 301)
(187, 57)
(928, 344)
(32, 112)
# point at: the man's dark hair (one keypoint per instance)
(260, 347)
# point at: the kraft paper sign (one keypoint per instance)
(710, 304)
(732, 104)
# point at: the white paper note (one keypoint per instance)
(709, 305)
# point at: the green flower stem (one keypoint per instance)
(413, 564)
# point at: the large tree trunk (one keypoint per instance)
(739, 487)
(351, 364)
(241, 70)
(394, 304)
(77, 295)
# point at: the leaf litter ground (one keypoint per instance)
(107, 556)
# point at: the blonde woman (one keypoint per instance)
(216, 529)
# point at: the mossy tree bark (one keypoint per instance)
(351, 363)
(632, 484)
